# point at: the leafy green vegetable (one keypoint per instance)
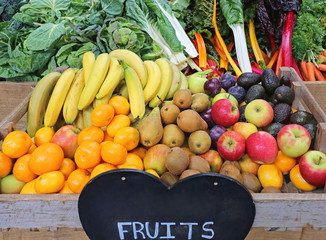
(8, 8)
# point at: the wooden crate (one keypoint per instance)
(284, 211)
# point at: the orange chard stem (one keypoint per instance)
(273, 60)
(201, 50)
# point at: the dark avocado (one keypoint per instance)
(272, 104)
(286, 81)
(284, 94)
(312, 129)
(242, 113)
(302, 117)
(247, 79)
(273, 99)
(282, 113)
(256, 91)
(273, 128)
(269, 80)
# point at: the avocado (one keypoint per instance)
(282, 113)
(242, 113)
(247, 79)
(286, 81)
(269, 80)
(273, 128)
(302, 117)
(284, 94)
(256, 91)
(312, 129)
(272, 104)
(273, 99)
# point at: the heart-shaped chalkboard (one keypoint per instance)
(131, 204)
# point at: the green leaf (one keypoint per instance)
(54, 5)
(112, 7)
(45, 36)
(232, 11)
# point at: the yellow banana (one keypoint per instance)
(87, 112)
(176, 81)
(184, 81)
(79, 121)
(70, 110)
(153, 80)
(134, 61)
(96, 78)
(166, 81)
(102, 100)
(115, 75)
(135, 91)
(39, 100)
(88, 61)
(123, 91)
(58, 97)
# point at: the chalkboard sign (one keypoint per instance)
(130, 204)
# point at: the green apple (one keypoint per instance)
(197, 80)
(9, 184)
(221, 95)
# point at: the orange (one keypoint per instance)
(113, 153)
(120, 105)
(16, 144)
(29, 188)
(152, 171)
(66, 188)
(91, 133)
(270, 175)
(46, 158)
(78, 179)
(128, 137)
(101, 168)
(102, 115)
(43, 135)
(32, 148)
(118, 122)
(140, 151)
(284, 163)
(132, 161)
(67, 167)
(298, 181)
(5, 165)
(247, 165)
(88, 154)
(50, 182)
(107, 137)
(21, 169)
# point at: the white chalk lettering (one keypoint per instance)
(208, 230)
(147, 227)
(121, 230)
(190, 228)
(168, 230)
(139, 230)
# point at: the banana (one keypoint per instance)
(96, 78)
(102, 100)
(153, 80)
(132, 60)
(176, 81)
(70, 110)
(87, 112)
(39, 100)
(88, 61)
(184, 81)
(115, 75)
(124, 91)
(135, 91)
(166, 81)
(79, 121)
(58, 97)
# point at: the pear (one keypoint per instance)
(151, 128)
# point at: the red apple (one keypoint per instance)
(312, 167)
(225, 113)
(231, 145)
(66, 137)
(214, 159)
(293, 140)
(245, 129)
(259, 112)
(262, 147)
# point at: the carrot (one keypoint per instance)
(322, 67)
(304, 71)
(324, 53)
(201, 50)
(273, 59)
(318, 74)
(310, 72)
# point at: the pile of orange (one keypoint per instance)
(111, 143)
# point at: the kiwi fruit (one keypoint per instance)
(234, 163)
(169, 113)
(232, 171)
(177, 160)
(188, 172)
(270, 189)
(182, 98)
(250, 181)
(169, 178)
(173, 136)
(199, 164)
(199, 142)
